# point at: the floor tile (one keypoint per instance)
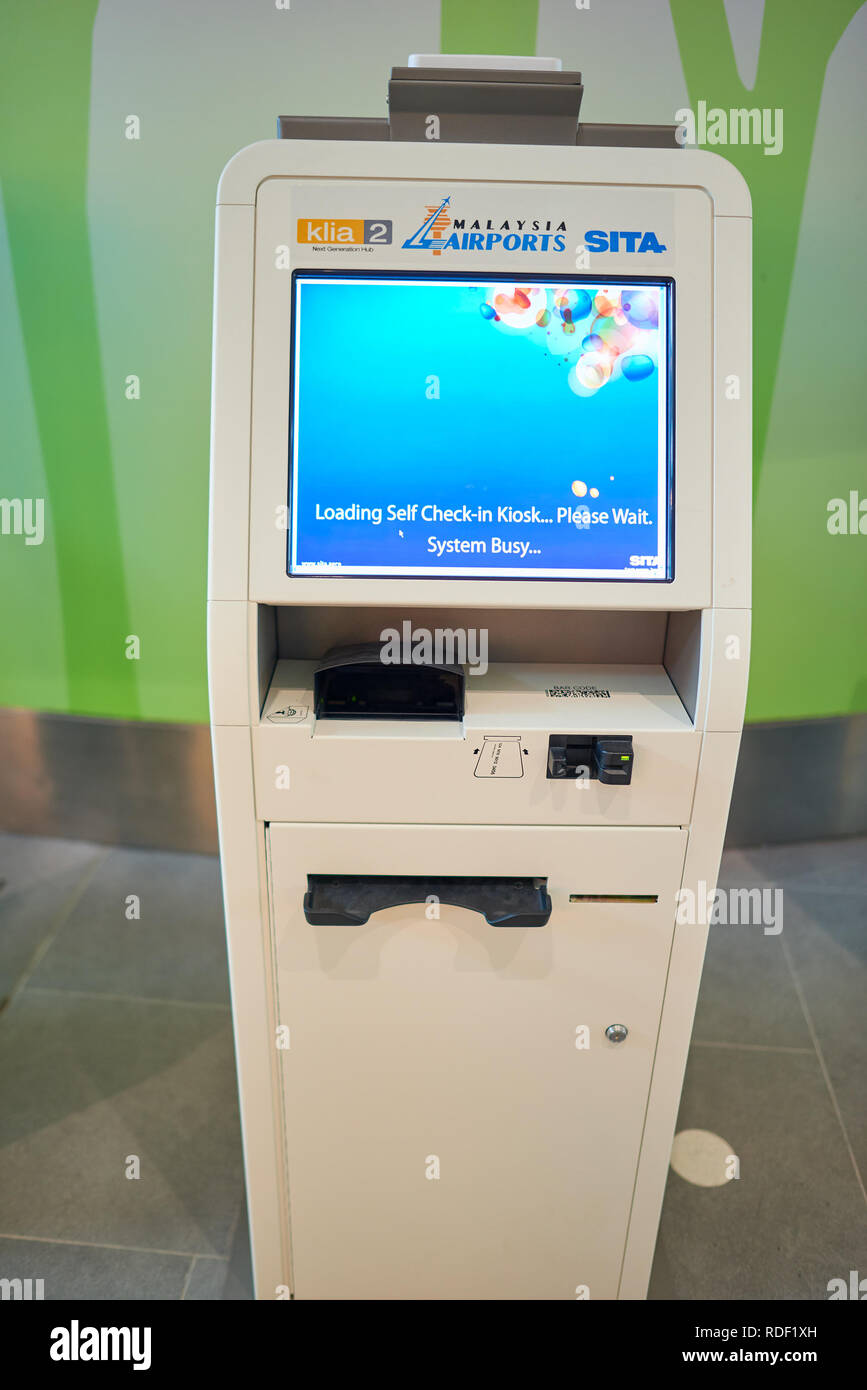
(84, 1272)
(833, 865)
(88, 1082)
(175, 950)
(239, 1284)
(747, 994)
(207, 1280)
(795, 1217)
(742, 868)
(826, 935)
(26, 860)
(38, 882)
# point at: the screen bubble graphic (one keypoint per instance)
(591, 371)
(518, 306)
(607, 304)
(572, 304)
(637, 366)
(641, 309)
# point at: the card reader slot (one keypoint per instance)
(358, 683)
(346, 900)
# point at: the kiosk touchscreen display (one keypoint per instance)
(444, 426)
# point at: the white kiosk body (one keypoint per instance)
(454, 1097)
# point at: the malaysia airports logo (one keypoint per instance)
(441, 231)
(430, 235)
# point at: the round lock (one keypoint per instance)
(616, 1032)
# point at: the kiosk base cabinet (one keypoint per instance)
(478, 635)
(458, 1123)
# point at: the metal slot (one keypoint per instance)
(614, 897)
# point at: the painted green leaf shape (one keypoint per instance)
(796, 44)
(44, 126)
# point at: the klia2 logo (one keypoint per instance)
(516, 234)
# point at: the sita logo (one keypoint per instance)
(623, 241)
(510, 234)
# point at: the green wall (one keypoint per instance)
(106, 248)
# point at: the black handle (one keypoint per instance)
(347, 900)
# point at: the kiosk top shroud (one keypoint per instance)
(254, 198)
(480, 105)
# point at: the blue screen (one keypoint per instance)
(448, 427)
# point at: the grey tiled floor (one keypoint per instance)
(115, 1042)
(778, 1068)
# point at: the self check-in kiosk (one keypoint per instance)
(478, 647)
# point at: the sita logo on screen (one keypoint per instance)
(440, 232)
